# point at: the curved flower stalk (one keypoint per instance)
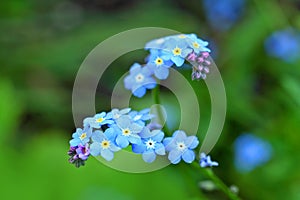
(167, 52)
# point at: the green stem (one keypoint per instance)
(217, 181)
(156, 99)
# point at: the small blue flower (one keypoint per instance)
(197, 44)
(81, 136)
(116, 113)
(151, 145)
(139, 80)
(176, 49)
(158, 65)
(180, 147)
(140, 117)
(284, 44)
(98, 120)
(205, 161)
(127, 131)
(104, 144)
(251, 152)
(222, 14)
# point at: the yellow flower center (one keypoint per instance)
(159, 61)
(83, 136)
(196, 45)
(105, 144)
(182, 36)
(99, 120)
(177, 51)
(126, 132)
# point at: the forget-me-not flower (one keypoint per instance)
(140, 117)
(205, 161)
(151, 145)
(158, 65)
(98, 120)
(250, 152)
(176, 50)
(180, 147)
(197, 44)
(81, 136)
(116, 113)
(104, 144)
(83, 151)
(127, 131)
(139, 79)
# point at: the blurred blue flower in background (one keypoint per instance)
(251, 152)
(284, 44)
(222, 14)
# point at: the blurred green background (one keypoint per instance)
(42, 46)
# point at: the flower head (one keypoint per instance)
(180, 147)
(205, 161)
(139, 79)
(83, 152)
(127, 131)
(98, 120)
(140, 117)
(197, 44)
(116, 113)
(151, 144)
(158, 64)
(104, 144)
(251, 152)
(81, 136)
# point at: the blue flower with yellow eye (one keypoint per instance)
(158, 65)
(98, 120)
(197, 44)
(116, 113)
(81, 136)
(139, 80)
(104, 144)
(127, 131)
(151, 145)
(176, 49)
(180, 147)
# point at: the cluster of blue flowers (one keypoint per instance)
(164, 53)
(106, 133)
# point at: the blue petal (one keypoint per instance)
(123, 122)
(188, 156)
(138, 148)
(122, 141)
(135, 128)
(178, 61)
(149, 156)
(113, 147)
(107, 154)
(160, 149)
(174, 155)
(110, 133)
(75, 142)
(158, 135)
(192, 142)
(95, 149)
(161, 72)
(139, 92)
(98, 136)
(134, 139)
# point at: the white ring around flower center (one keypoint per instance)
(150, 144)
(139, 78)
(181, 146)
